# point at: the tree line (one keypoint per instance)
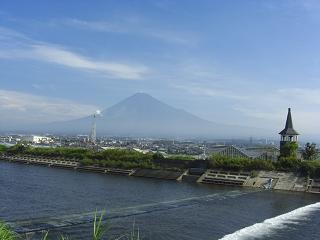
(129, 159)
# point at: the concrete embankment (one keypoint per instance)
(73, 164)
(64, 163)
(270, 180)
(260, 179)
(51, 162)
(154, 173)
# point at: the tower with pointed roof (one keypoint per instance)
(288, 134)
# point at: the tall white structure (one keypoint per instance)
(93, 135)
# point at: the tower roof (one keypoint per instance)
(288, 129)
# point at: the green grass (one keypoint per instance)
(98, 227)
(98, 232)
(6, 233)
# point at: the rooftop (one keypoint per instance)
(288, 129)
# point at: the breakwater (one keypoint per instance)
(260, 179)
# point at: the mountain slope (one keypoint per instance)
(143, 115)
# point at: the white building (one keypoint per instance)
(37, 139)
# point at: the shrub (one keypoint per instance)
(288, 164)
(228, 163)
(310, 168)
(289, 150)
(86, 162)
(181, 157)
(3, 148)
(258, 164)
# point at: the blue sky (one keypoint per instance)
(237, 62)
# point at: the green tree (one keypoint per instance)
(289, 150)
(3, 148)
(157, 156)
(309, 151)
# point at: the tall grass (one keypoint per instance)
(6, 233)
(98, 227)
(99, 230)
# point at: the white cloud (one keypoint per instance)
(271, 107)
(15, 45)
(198, 90)
(69, 59)
(6, 34)
(101, 26)
(34, 108)
(304, 96)
(134, 28)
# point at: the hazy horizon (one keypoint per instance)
(236, 63)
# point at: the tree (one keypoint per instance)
(157, 156)
(310, 151)
(3, 148)
(289, 150)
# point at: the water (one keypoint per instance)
(36, 197)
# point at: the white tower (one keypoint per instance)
(93, 135)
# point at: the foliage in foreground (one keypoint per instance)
(99, 229)
(6, 233)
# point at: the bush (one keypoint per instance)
(120, 158)
(157, 156)
(258, 164)
(86, 162)
(310, 168)
(290, 164)
(238, 163)
(181, 157)
(17, 149)
(3, 148)
(289, 150)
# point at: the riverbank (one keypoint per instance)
(271, 180)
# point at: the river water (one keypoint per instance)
(64, 201)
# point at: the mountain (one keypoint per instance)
(143, 115)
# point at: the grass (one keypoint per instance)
(99, 230)
(6, 233)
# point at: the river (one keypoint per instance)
(64, 201)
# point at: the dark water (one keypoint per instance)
(34, 197)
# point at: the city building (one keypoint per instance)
(37, 139)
